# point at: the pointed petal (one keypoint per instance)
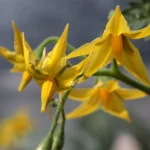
(48, 90)
(17, 40)
(18, 44)
(116, 107)
(82, 94)
(139, 33)
(84, 49)
(132, 61)
(84, 109)
(42, 58)
(130, 94)
(18, 68)
(29, 55)
(26, 78)
(66, 79)
(12, 57)
(55, 60)
(117, 24)
(31, 63)
(110, 85)
(99, 58)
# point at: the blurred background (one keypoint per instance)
(40, 19)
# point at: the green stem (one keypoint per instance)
(120, 76)
(47, 143)
(53, 39)
(58, 141)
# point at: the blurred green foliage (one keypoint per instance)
(138, 14)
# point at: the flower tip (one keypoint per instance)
(13, 23)
(66, 28)
(118, 8)
(43, 110)
(20, 89)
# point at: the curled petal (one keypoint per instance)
(139, 33)
(130, 94)
(18, 68)
(48, 90)
(12, 57)
(132, 61)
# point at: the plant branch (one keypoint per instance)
(120, 76)
(48, 141)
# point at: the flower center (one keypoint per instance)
(117, 45)
(105, 96)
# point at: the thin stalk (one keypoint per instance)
(47, 143)
(120, 76)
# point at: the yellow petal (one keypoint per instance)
(132, 61)
(48, 90)
(17, 40)
(139, 33)
(115, 106)
(66, 78)
(117, 24)
(29, 55)
(18, 68)
(26, 78)
(12, 57)
(42, 58)
(82, 94)
(99, 58)
(84, 109)
(83, 50)
(110, 85)
(31, 63)
(55, 60)
(130, 94)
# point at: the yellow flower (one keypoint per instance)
(17, 57)
(52, 73)
(12, 129)
(115, 43)
(107, 96)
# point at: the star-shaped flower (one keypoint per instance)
(115, 43)
(52, 72)
(107, 96)
(17, 57)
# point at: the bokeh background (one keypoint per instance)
(40, 19)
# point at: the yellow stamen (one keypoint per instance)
(117, 45)
(26, 78)
(105, 96)
(48, 90)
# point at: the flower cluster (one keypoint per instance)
(53, 72)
